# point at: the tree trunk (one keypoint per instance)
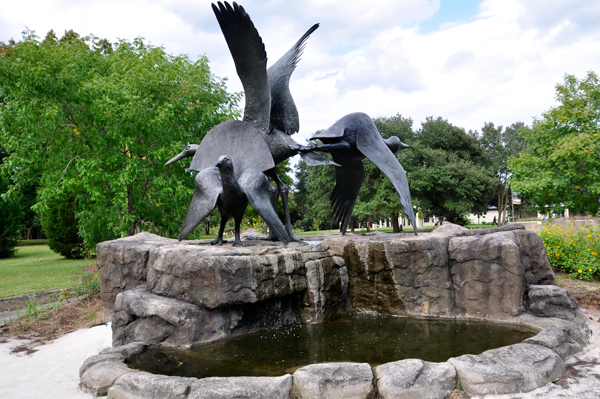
(130, 210)
(395, 228)
(505, 208)
(352, 224)
(500, 191)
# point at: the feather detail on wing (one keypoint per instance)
(244, 144)
(207, 188)
(348, 179)
(250, 58)
(284, 114)
(371, 144)
(256, 187)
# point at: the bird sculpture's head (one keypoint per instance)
(188, 151)
(395, 144)
(224, 162)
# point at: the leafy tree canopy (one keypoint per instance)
(98, 121)
(448, 171)
(561, 165)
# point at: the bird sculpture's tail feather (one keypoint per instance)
(207, 187)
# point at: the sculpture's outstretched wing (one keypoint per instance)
(371, 144)
(284, 114)
(250, 58)
(256, 186)
(348, 179)
(244, 144)
(207, 188)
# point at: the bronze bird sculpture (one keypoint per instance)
(237, 178)
(283, 114)
(350, 140)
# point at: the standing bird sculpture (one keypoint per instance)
(350, 140)
(234, 155)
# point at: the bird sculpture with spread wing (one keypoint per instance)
(283, 118)
(350, 140)
(233, 156)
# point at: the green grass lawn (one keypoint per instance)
(36, 268)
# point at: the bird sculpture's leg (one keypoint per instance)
(238, 241)
(219, 239)
(283, 190)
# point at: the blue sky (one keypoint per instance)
(467, 61)
(451, 12)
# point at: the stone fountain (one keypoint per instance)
(159, 292)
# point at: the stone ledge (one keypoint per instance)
(512, 369)
(334, 380)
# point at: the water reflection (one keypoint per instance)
(372, 339)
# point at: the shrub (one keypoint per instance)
(573, 249)
(60, 226)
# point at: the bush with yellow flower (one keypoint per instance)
(573, 249)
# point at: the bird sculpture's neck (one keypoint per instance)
(233, 195)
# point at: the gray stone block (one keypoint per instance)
(484, 375)
(142, 385)
(242, 388)
(215, 277)
(557, 339)
(551, 301)
(415, 379)
(101, 376)
(334, 381)
(487, 275)
(537, 364)
(122, 265)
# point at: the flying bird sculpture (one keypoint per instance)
(283, 119)
(234, 155)
(350, 140)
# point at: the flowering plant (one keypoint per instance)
(573, 249)
(86, 281)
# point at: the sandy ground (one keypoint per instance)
(52, 371)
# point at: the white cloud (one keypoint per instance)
(499, 66)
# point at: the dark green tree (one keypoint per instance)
(60, 226)
(100, 120)
(561, 166)
(448, 171)
(10, 216)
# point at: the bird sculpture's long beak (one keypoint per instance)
(177, 157)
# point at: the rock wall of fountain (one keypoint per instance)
(159, 292)
(182, 294)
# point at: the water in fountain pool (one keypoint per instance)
(359, 338)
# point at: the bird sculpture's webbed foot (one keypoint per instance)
(217, 241)
(238, 243)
